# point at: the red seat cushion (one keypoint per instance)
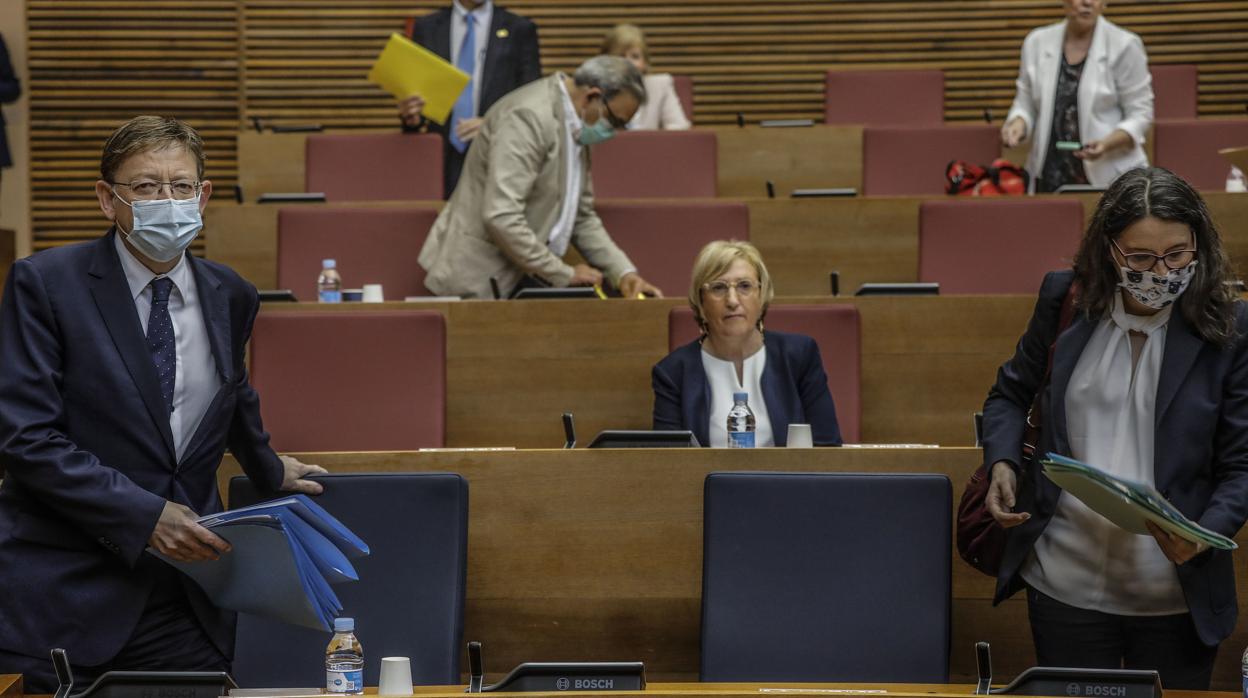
(884, 97)
(375, 166)
(656, 164)
(371, 246)
(996, 245)
(837, 331)
(911, 161)
(360, 381)
(1174, 91)
(684, 90)
(663, 238)
(1189, 148)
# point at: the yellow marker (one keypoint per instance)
(502, 33)
(597, 288)
(641, 295)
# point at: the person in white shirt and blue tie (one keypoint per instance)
(502, 55)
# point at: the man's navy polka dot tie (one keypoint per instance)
(160, 338)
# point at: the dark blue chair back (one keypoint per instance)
(826, 577)
(409, 600)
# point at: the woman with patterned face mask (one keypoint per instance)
(1148, 381)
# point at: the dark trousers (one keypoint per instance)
(168, 637)
(1066, 636)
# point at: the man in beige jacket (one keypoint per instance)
(525, 193)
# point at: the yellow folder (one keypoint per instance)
(404, 69)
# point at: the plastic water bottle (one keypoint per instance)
(329, 284)
(1235, 180)
(741, 423)
(344, 660)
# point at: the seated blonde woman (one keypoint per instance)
(782, 373)
(662, 109)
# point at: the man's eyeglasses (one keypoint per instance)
(150, 188)
(615, 121)
(745, 288)
(1146, 261)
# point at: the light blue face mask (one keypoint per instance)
(597, 132)
(163, 228)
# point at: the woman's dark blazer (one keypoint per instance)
(10, 90)
(795, 390)
(1200, 456)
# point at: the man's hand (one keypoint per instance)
(631, 284)
(467, 129)
(585, 275)
(1000, 498)
(1013, 131)
(292, 479)
(1176, 549)
(178, 536)
(410, 110)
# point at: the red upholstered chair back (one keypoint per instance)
(351, 381)
(375, 166)
(837, 330)
(1189, 148)
(684, 90)
(656, 164)
(1174, 91)
(663, 238)
(371, 246)
(911, 161)
(1003, 245)
(885, 97)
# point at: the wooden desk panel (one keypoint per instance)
(791, 158)
(10, 685)
(538, 518)
(270, 163)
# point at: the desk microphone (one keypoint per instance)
(569, 431)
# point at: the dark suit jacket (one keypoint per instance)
(10, 90)
(88, 452)
(795, 390)
(1200, 457)
(511, 60)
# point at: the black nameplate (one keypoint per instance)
(921, 288)
(1085, 683)
(294, 197)
(159, 684)
(574, 676)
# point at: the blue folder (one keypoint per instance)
(285, 555)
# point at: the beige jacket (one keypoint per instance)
(498, 221)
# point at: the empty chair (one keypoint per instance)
(885, 97)
(684, 90)
(826, 577)
(375, 166)
(834, 327)
(1189, 148)
(664, 238)
(1174, 91)
(911, 161)
(371, 245)
(409, 600)
(1000, 245)
(351, 381)
(656, 164)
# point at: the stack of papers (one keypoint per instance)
(286, 554)
(1125, 503)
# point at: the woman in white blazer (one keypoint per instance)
(1084, 98)
(662, 109)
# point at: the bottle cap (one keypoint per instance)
(329, 263)
(344, 625)
(740, 397)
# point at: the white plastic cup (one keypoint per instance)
(396, 677)
(373, 294)
(799, 436)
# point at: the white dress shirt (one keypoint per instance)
(722, 377)
(1082, 559)
(481, 18)
(561, 234)
(196, 379)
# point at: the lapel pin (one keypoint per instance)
(502, 33)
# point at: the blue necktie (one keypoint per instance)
(160, 341)
(466, 62)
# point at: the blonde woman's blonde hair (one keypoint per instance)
(714, 260)
(622, 37)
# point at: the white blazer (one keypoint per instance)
(1115, 92)
(662, 109)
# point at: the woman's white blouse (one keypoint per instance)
(1082, 559)
(722, 377)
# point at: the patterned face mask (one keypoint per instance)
(1155, 291)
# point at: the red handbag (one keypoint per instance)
(981, 540)
(1000, 178)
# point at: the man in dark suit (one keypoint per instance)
(123, 382)
(503, 55)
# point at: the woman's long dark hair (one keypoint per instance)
(1208, 302)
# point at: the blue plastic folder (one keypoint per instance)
(286, 554)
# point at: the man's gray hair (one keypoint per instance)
(611, 74)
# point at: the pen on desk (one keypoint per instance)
(598, 290)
